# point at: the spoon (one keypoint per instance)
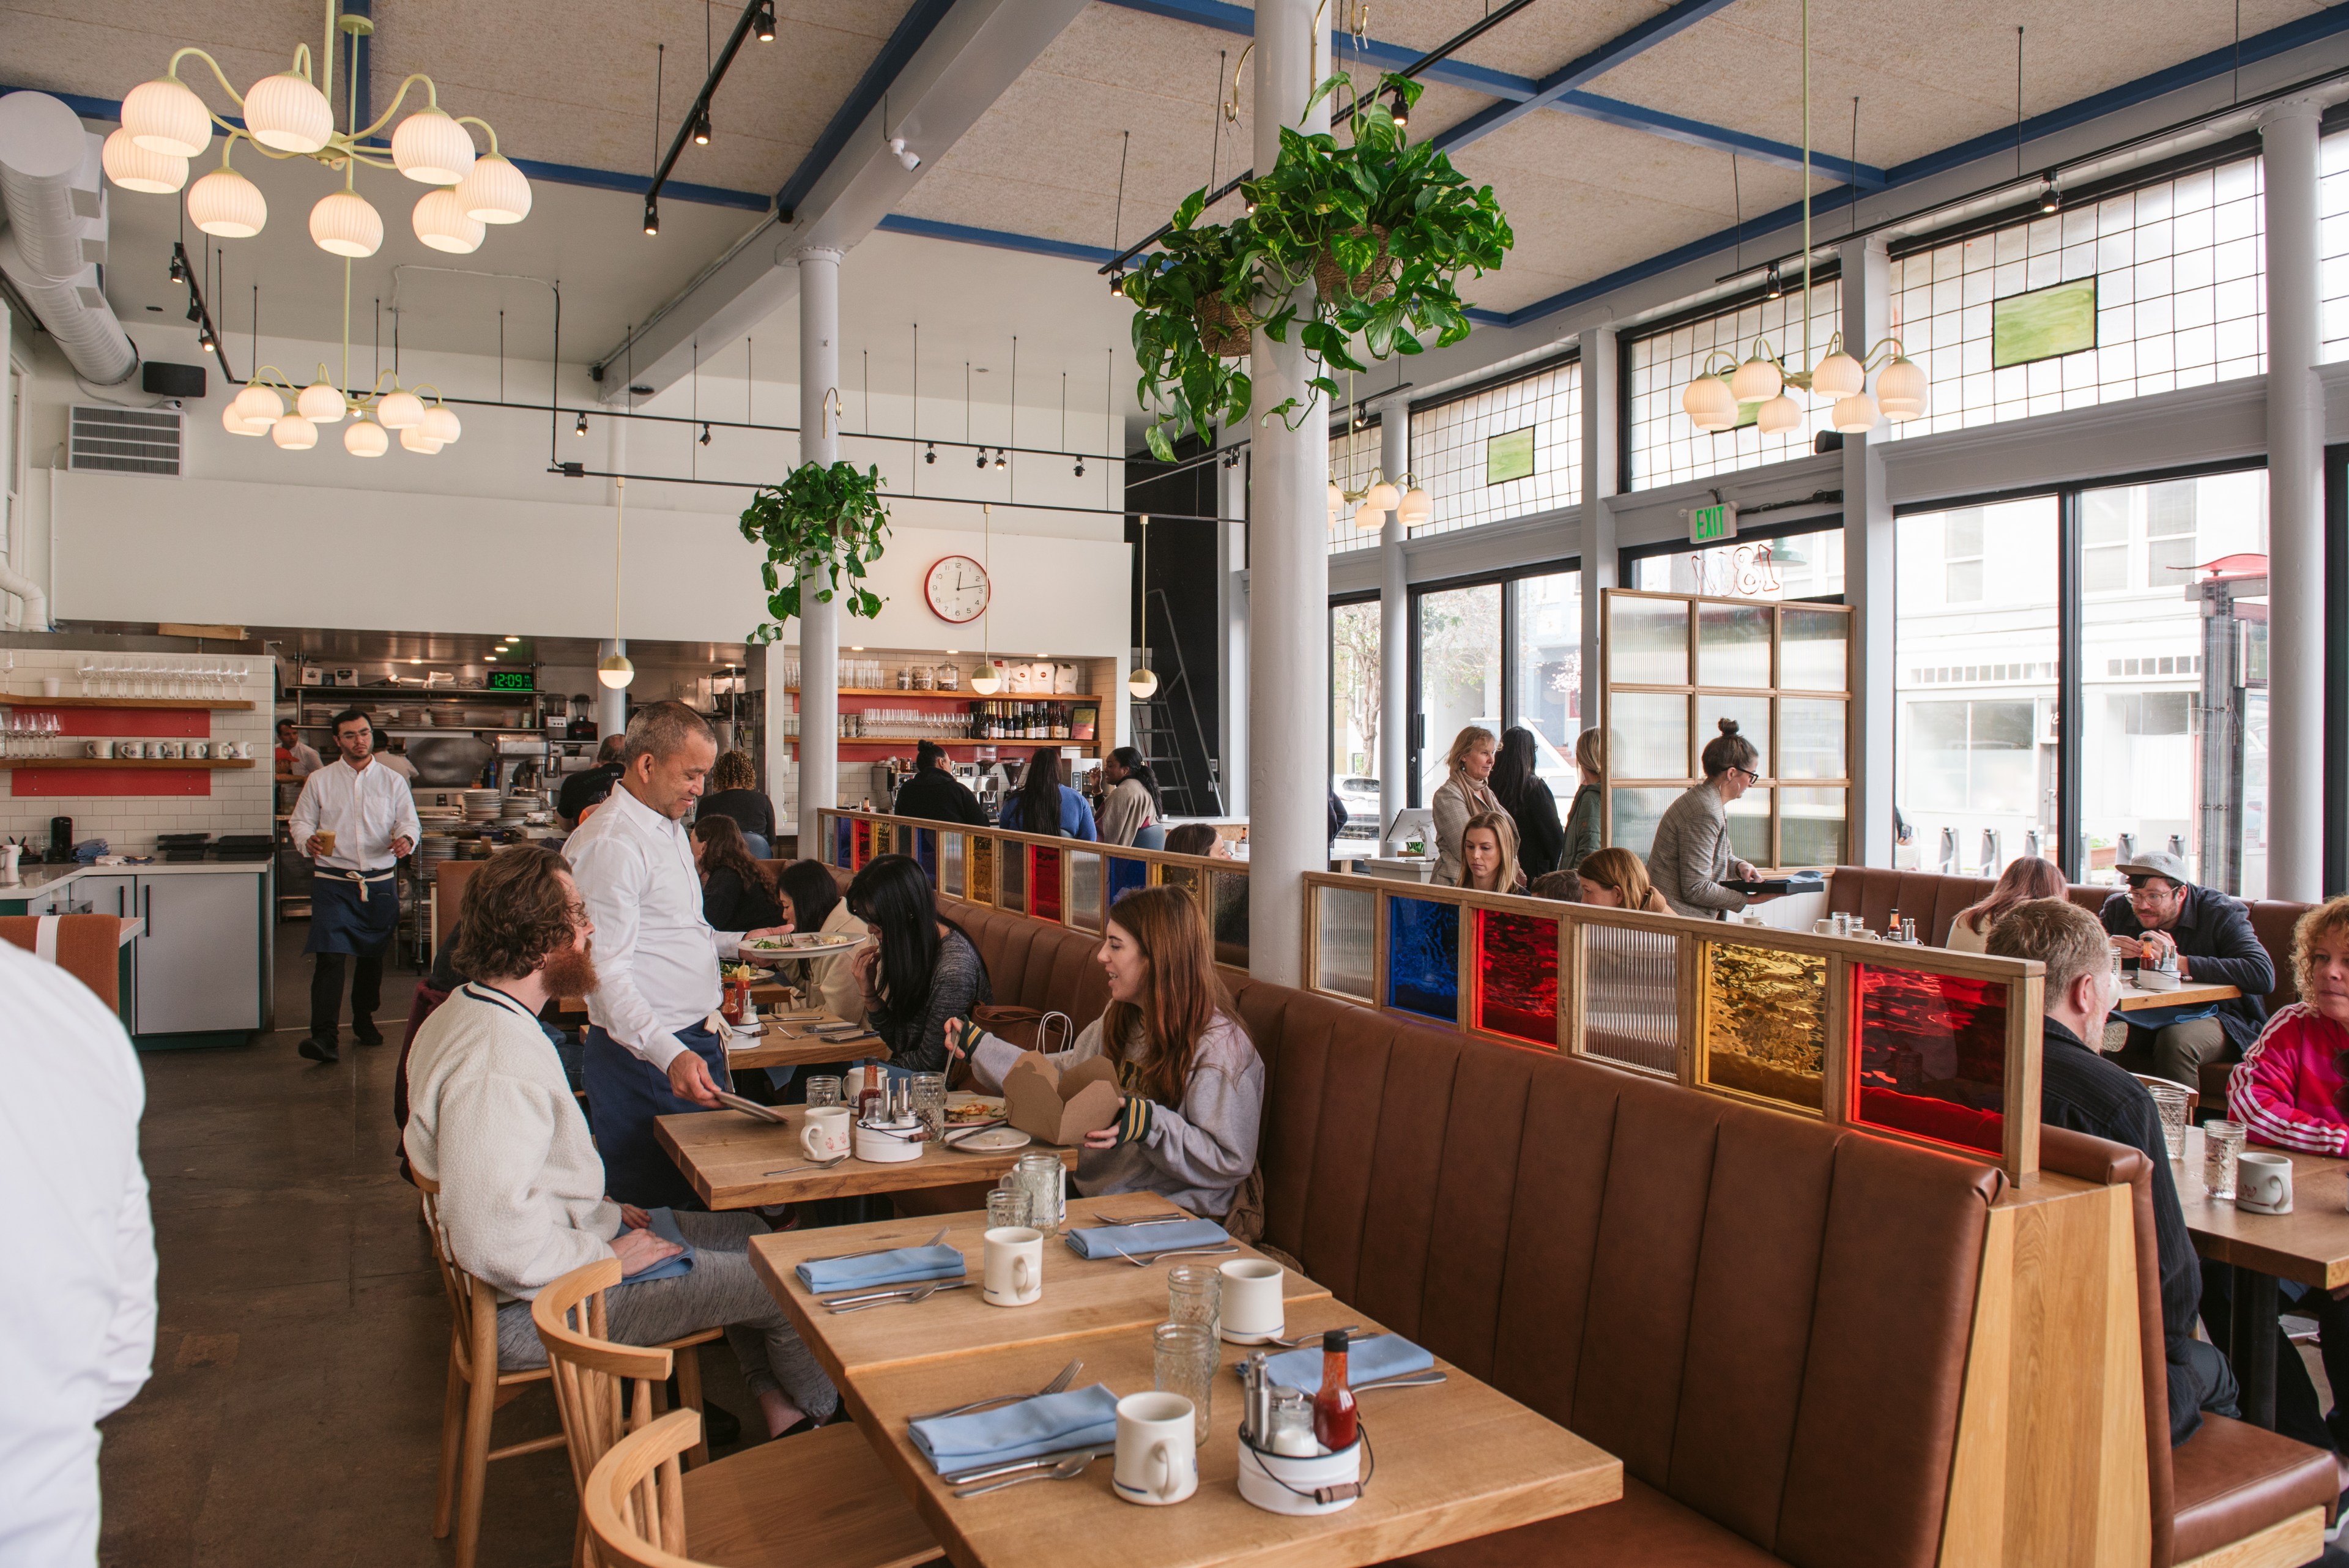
(818, 1165)
(1066, 1469)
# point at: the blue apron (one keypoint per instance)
(624, 1093)
(353, 911)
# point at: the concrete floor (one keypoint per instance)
(294, 1416)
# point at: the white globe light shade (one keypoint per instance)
(141, 169)
(1418, 507)
(984, 679)
(166, 116)
(1383, 497)
(1900, 390)
(400, 411)
(294, 433)
(1337, 503)
(237, 424)
(415, 440)
(1710, 404)
(1778, 415)
(495, 192)
(1367, 516)
(366, 438)
(615, 672)
(1855, 415)
(432, 149)
(441, 224)
(285, 111)
(1838, 375)
(321, 404)
(440, 424)
(227, 206)
(259, 405)
(345, 224)
(1757, 380)
(1141, 683)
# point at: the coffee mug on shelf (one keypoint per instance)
(134, 750)
(198, 751)
(167, 750)
(1157, 1455)
(825, 1134)
(98, 748)
(1012, 1273)
(2264, 1182)
(1253, 1309)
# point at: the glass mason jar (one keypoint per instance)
(1184, 1360)
(1043, 1176)
(1007, 1206)
(1195, 1293)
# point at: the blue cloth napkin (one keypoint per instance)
(1367, 1360)
(1046, 1425)
(664, 1225)
(1117, 1240)
(903, 1266)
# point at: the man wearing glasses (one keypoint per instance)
(2163, 920)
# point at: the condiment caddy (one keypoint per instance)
(1301, 1456)
(887, 1130)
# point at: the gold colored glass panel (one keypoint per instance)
(982, 869)
(1765, 1029)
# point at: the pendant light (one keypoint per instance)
(365, 438)
(141, 169)
(166, 116)
(983, 679)
(1144, 681)
(286, 112)
(615, 672)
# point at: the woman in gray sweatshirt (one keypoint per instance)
(1192, 1081)
(1692, 850)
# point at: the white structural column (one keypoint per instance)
(1232, 678)
(1867, 580)
(1289, 559)
(1602, 450)
(819, 621)
(611, 701)
(2296, 662)
(1394, 623)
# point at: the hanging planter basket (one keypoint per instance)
(1224, 327)
(1369, 286)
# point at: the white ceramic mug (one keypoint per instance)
(1157, 1459)
(2264, 1182)
(825, 1134)
(200, 750)
(1012, 1271)
(169, 750)
(134, 750)
(53, 686)
(1253, 1309)
(98, 748)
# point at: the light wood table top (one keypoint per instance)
(2311, 1244)
(729, 1156)
(2189, 994)
(1454, 1461)
(790, 1045)
(1082, 1295)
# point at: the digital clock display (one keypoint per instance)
(512, 681)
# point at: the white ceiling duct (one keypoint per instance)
(55, 193)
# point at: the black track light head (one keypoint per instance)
(1400, 107)
(652, 216)
(196, 312)
(179, 269)
(701, 128)
(998, 459)
(980, 460)
(581, 428)
(931, 455)
(765, 26)
(1117, 283)
(2051, 195)
(204, 340)
(1080, 468)
(705, 435)
(1772, 285)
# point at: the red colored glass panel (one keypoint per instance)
(1932, 1056)
(1516, 967)
(1044, 883)
(864, 844)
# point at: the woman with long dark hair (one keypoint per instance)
(919, 971)
(735, 893)
(1043, 805)
(1526, 797)
(2022, 880)
(1192, 1081)
(812, 902)
(1132, 803)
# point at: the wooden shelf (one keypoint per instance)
(965, 695)
(151, 704)
(127, 764)
(1000, 745)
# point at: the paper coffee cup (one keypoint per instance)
(326, 841)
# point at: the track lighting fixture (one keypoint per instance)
(904, 154)
(766, 22)
(179, 270)
(931, 455)
(581, 428)
(1772, 285)
(1080, 468)
(204, 340)
(980, 460)
(705, 433)
(196, 312)
(701, 128)
(652, 216)
(1117, 283)
(998, 459)
(2051, 195)
(1400, 107)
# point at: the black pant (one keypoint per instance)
(2297, 1412)
(326, 991)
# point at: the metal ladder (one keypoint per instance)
(1153, 727)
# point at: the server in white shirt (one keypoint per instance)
(355, 818)
(653, 1044)
(302, 758)
(77, 1320)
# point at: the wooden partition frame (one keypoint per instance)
(1697, 942)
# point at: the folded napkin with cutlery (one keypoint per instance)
(901, 1266)
(1049, 1424)
(664, 1225)
(1367, 1361)
(1125, 1241)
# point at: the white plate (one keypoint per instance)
(995, 1140)
(769, 948)
(994, 1103)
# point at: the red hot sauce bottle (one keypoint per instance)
(1335, 1422)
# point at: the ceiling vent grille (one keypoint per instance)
(108, 439)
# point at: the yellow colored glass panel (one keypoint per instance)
(982, 869)
(1765, 1023)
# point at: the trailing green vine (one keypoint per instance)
(825, 523)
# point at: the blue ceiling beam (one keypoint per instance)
(912, 30)
(1580, 73)
(996, 239)
(1717, 139)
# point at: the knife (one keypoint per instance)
(948, 1283)
(1041, 1461)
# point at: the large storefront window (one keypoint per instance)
(1545, 671)
(1788, 567)
(1354, 698)
(1498, 654)
(1458, 631)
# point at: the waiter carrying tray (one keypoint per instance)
(355, 819)
(654, 1045)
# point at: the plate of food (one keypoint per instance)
(967, 1110)
(994, 1140)
(801, 944)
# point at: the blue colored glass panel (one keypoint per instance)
(1125, 876)
(842, 841)
(926, 850)
(1423, 958)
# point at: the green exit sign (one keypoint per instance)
(1711, 524)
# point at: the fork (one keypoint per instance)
(1143, 1260)
(876, 1252)
(1404, 1380)
(1146, 1220)
(1058, 1385)
(905, 1298)
(1066, 1469)
(818, 1165)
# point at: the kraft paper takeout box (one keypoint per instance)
(1060, 1107)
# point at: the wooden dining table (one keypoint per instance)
(735, 1160)
(1452, 1460)
(2309, 1246)
(2189, 994)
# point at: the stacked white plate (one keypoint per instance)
(481, 806)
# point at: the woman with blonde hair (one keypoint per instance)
(1192, 1081)
(1582, 821)
(1465, 792)
(1488, 854)
(1614, 879)
(2022, 881)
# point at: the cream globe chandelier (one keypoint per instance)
(1713, 400)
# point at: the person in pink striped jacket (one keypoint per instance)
(2290, 1092)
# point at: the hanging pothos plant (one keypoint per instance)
(1383, 227)
(825, 523)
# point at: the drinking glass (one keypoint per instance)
(822, 1092)
(2222, 1145)
(929, 1091)
(87, 667)
(1007, 1206)
(1195, 1293)
(1185, 1358)
(1042, 1175)
(2170, 1099)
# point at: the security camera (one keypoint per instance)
(910, 159)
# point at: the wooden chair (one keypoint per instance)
(478, 1389)
(821, 1499)
(2193, 1095)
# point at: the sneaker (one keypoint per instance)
(318, 1050)
(363, 1031)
